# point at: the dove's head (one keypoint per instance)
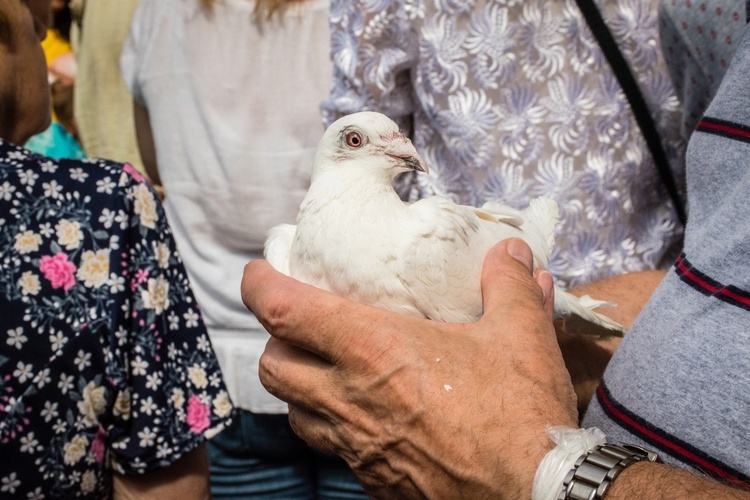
(367, 142)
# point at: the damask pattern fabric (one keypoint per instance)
(508, 100)
(105, 364)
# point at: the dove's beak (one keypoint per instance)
(401, 149)
(412, 163)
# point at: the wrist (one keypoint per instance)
(571, 444)
(582, 465)
(594, 473)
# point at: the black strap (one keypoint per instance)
(629, 86)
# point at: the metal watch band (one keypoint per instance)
(593, 473)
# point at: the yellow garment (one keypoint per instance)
(103, 104)
(55, 46)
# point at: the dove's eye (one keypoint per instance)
(354, 139)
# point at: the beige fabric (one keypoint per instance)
(103, 104)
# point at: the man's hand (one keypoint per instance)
(417, 407)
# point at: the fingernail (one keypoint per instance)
(521, 252)
(545, 282)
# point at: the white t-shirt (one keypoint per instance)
(234, 109)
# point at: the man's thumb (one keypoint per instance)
(508, 279)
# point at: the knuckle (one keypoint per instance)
(267, 371)
(274, 309)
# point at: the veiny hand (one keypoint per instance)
(417, 407)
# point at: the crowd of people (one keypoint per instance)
(141, 360)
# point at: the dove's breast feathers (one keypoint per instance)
(350, 246)
(422, 259)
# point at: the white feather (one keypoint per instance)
(278, 246)
(356, 238)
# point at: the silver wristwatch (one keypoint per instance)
(593, 472)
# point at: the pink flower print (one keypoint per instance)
(97, 445)
(197, 414)
(133, 172)
(58, 270)
(141, 275)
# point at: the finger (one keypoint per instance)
(332, 327)
(297, 376)
(314, 429)
(290, 310)
(507, 282)
(544, 280)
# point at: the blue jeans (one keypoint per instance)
(259, 456)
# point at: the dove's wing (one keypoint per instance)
(581, 317)
(442, 260)
(537, 224)
(278, 246)
(500, 213)
(443, 264)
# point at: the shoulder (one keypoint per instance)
(89, 186)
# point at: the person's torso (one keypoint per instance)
(680, 380)
(234, 108)
(515, 100)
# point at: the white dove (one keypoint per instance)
(356, 238)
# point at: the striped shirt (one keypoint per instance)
(680, 381)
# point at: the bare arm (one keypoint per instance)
(146, 142)
(649, 480)
(629, 292)
(585, 356)
(187, 478)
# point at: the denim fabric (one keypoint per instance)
(259, 456)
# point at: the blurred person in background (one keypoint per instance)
(108, 383)
(507, 101)
(103, 107)
(227, 113)
(60, 139)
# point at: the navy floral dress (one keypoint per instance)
(105, 364)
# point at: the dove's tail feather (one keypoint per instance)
(567, 305)
(279, 245)
(538, 228)
(544, 214)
